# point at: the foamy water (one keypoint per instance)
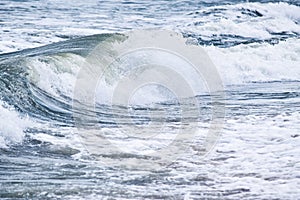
(256, 50)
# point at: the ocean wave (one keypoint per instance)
(223, 24)
(40, 82)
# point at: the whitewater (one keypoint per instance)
(49, 149)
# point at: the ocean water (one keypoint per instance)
(50, 149)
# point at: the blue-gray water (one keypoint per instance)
(255, 47)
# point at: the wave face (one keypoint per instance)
(255, 47)
(38, 84)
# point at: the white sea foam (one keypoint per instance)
(233, 20)
(236, 65)
(257, 62)
(12, 125)
(229, 19)
(55, 75)
(258, 153)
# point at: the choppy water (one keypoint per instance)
(256, 49)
